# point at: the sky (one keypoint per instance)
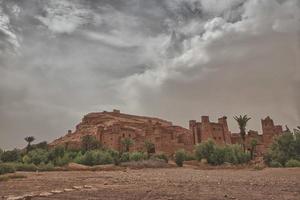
(177, 60)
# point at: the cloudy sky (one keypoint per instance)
(175, 59)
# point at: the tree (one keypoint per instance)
(1, 152)
(11, 156)
(150, 147)
(284, 148)
(126, 144)
(253, 145)
(242, 122)
(89, 142)
(29, 140)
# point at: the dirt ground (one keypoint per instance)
(169, 183)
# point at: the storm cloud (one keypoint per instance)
(178, 60)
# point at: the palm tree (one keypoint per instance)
(242, 122)
(126, 143)
(29, 139)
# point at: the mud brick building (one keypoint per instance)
(110, 128)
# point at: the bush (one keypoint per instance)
(275, 164)
(124, 157)
(204, 150)
(115, 156)
(217, 157)
(293, 163)
(136, 156)
(25, 167)
(62, 161)
(11, 156)
(95, 157)
(38, 156)
(161, 157)
(180, 156)
(46, 167)
(284, 148)
(6, 168)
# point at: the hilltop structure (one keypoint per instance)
(110, 128)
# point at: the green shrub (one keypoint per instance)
(284, 148)
(26, 159)
(161, 157)
(78, 158)
(38, 156)
(96, 157)
(6, 168)
(275, 164)
(204, 150)
(180, 156)
(217, 157)
(293, 163)
(46, 167)
(136, 156)
(124, 157)
(115, 156)
(62, 161)
(102, 157)
(11, 156)
(25, 167)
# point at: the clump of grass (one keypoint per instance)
(17, 176)
(4, 178)
(12, 176)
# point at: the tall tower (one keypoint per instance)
(226, 132)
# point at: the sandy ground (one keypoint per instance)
(169, 183)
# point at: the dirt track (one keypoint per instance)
(173, 183)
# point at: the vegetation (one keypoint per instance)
(150, 148)
(136, 156)
(126, 144)
(217, 155)
(90, 142)
(161, 157)
(180, 157)
(242, 122)
(284, 148)
(29, 140)
(6, 168)
(11, 156)
(1, 152)
(13, 176)
(293, 163)
(253, 145)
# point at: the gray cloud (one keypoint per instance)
(174, 59)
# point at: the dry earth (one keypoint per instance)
(169, 183)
